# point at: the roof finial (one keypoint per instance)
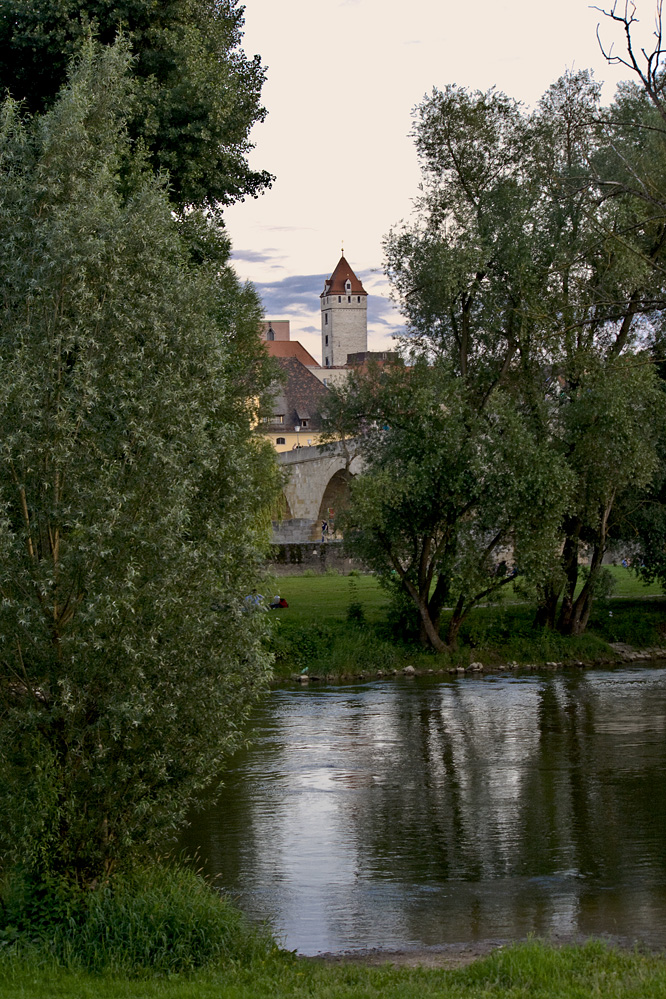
(342, 248)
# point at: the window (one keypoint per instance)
(326, 319)
(271, 333)
(349, 298)
(280, 440)
(327, 362)
(326, 340)
(304, 423)
(358, 298)
(339, 298)
(278, 419)
(347, 285)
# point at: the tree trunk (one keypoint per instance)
(456, 621)
(428, 629)
(570, 566)
(431, 631)
(546, 611)
(579, 611)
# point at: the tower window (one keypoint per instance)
(326, 319)
(271, 333)
(349, 298)
(326, 340)
(327, 362)
(358, 298)
(347, 285)
(339, 298)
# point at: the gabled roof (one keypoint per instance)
(335, 285)
(291, 348)
(301, 397)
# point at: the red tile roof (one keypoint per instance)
(291, 348)
(336, 283)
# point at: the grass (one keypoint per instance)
(338, 626)
(160, 919)
(327, 598)
(330, 594)
(528, 971)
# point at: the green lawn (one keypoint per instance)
(325, 599)
(528, 971)
(314, 631)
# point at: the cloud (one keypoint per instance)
(297, 298)
(258, 256)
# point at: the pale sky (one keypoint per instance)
(342, 79)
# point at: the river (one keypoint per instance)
(416, 813)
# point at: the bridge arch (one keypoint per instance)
(317, 479)
(336, 496)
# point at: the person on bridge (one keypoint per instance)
(324, 530)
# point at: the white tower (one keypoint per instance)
(344, 316)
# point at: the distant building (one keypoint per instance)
(275, 329)
(344, 316)
(298, 403)
(296, 419)
(298, 398)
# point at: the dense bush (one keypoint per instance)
(155, 919)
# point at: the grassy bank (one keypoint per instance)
(344, 626)
(529, 970)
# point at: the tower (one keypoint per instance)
(344, 316)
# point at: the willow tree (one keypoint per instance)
(132, 489)
(453, 502)
(196, 93)
(528, 281)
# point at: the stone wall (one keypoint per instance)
(293, 559)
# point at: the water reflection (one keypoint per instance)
(416, 813)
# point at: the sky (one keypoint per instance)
(343, 77)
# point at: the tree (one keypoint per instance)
(197, 94)
(527, 280)
(453, 502)
(133, 490)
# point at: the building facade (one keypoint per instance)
(344, 316)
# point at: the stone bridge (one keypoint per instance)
(316, 488)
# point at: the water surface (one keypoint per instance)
(412, 813)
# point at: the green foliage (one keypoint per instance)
(315, 633)
(530, 282)
(153, 920)
(196, 93)
(298, 647)
(355, 612)
(133, 492)
(446, 489)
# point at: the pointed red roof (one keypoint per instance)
(335, 285)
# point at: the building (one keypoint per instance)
(344, 316)
(299, 401)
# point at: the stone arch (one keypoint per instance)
(285, 509)
(281, 510)
(335, 496)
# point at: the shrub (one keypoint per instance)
(355, 612)
(154, 919)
